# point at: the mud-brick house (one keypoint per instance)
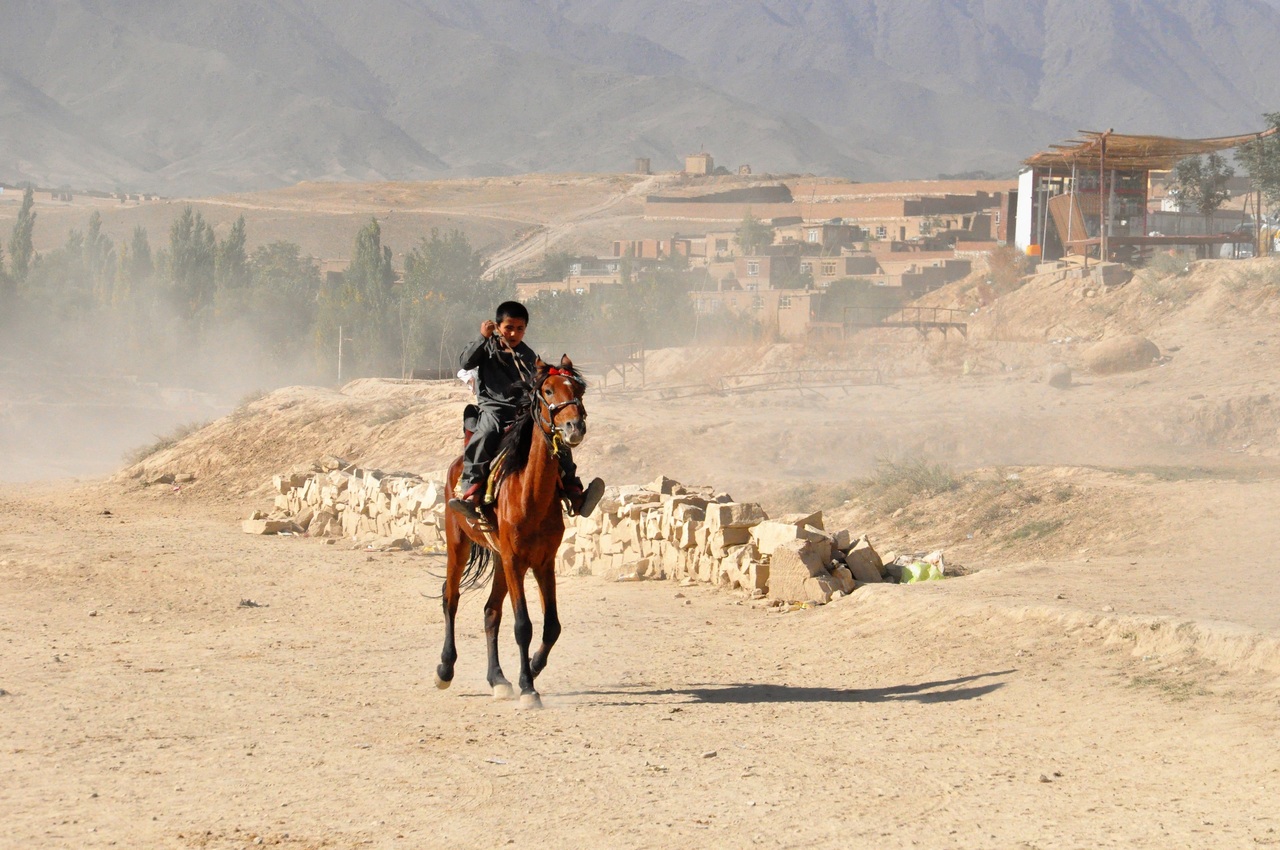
(660, 249)
(825, 269)
(699, 164)
(765, 271)
(790, 312)
(823, 236)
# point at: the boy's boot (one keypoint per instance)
(468, 504)
(582, 502)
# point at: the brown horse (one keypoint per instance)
(522, 529)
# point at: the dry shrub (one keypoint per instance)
(1007, 267)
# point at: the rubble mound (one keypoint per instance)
(371, 422)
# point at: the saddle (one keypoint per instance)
(470, 419)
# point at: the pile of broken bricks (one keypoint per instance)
(334, 499)
(662, 530)
(665, 530)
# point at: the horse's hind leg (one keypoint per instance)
(545, 575)
(450, 593)
(492, 621)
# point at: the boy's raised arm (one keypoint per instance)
(476, 351)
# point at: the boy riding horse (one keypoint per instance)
(504, 364)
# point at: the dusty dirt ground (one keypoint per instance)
(1106, 673)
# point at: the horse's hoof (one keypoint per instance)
(530, 700)
(503, 690)
(442, 684)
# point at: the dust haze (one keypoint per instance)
(76, 401)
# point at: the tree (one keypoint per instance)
(231, 263)
(753, 235)
(77, 277)
(361, 307)
(21, 252)
(555, 265)
(135, 266)
(282, 299)
(1201, 183)
(191, 262)
(1261, 159)
(7, 290)
(98, 259)
(445, 295)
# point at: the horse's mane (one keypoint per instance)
(516, 443)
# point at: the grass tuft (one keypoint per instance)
(163, 442)
(895, 484)
(1036, 529)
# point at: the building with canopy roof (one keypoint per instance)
(1092, 193)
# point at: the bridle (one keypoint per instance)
(557, 433)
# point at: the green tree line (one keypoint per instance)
(166, 310)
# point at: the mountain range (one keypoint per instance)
(186, 97)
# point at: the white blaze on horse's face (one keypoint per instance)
(565, 413)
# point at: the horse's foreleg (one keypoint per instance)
(524, 636)
(450, 593)
(492, 620)
(449, 654)
(545, 575)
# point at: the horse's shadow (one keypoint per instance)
(752, 693)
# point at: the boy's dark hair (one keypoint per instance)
(513, 310)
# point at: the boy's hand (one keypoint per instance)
(487, 327)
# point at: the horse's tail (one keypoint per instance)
(479, 568)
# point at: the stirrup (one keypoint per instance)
(590, 498)
(465, 509)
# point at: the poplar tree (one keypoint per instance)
(21, 252)
(231, 266)
(191, 262)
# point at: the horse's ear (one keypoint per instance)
(538, 365)
(565, 362)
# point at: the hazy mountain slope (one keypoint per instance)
(208, 97)
(498, 110)
(197, 97)
(976, 74)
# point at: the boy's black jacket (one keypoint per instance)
(500, 383)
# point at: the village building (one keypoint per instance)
(1093, 197)
(699, 164)
(660, 249)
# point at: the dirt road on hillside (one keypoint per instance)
(539, 243)
(171, 682)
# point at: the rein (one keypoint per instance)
(504, 347)
(550, 431)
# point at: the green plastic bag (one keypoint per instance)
(920, 571)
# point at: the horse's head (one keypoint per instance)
(557, 401)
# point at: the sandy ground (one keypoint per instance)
(147, 706)
(1106, 674)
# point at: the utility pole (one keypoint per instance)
(340, 341)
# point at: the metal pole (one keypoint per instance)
(1044, 223)
(1102, 198)
(1071, 209)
